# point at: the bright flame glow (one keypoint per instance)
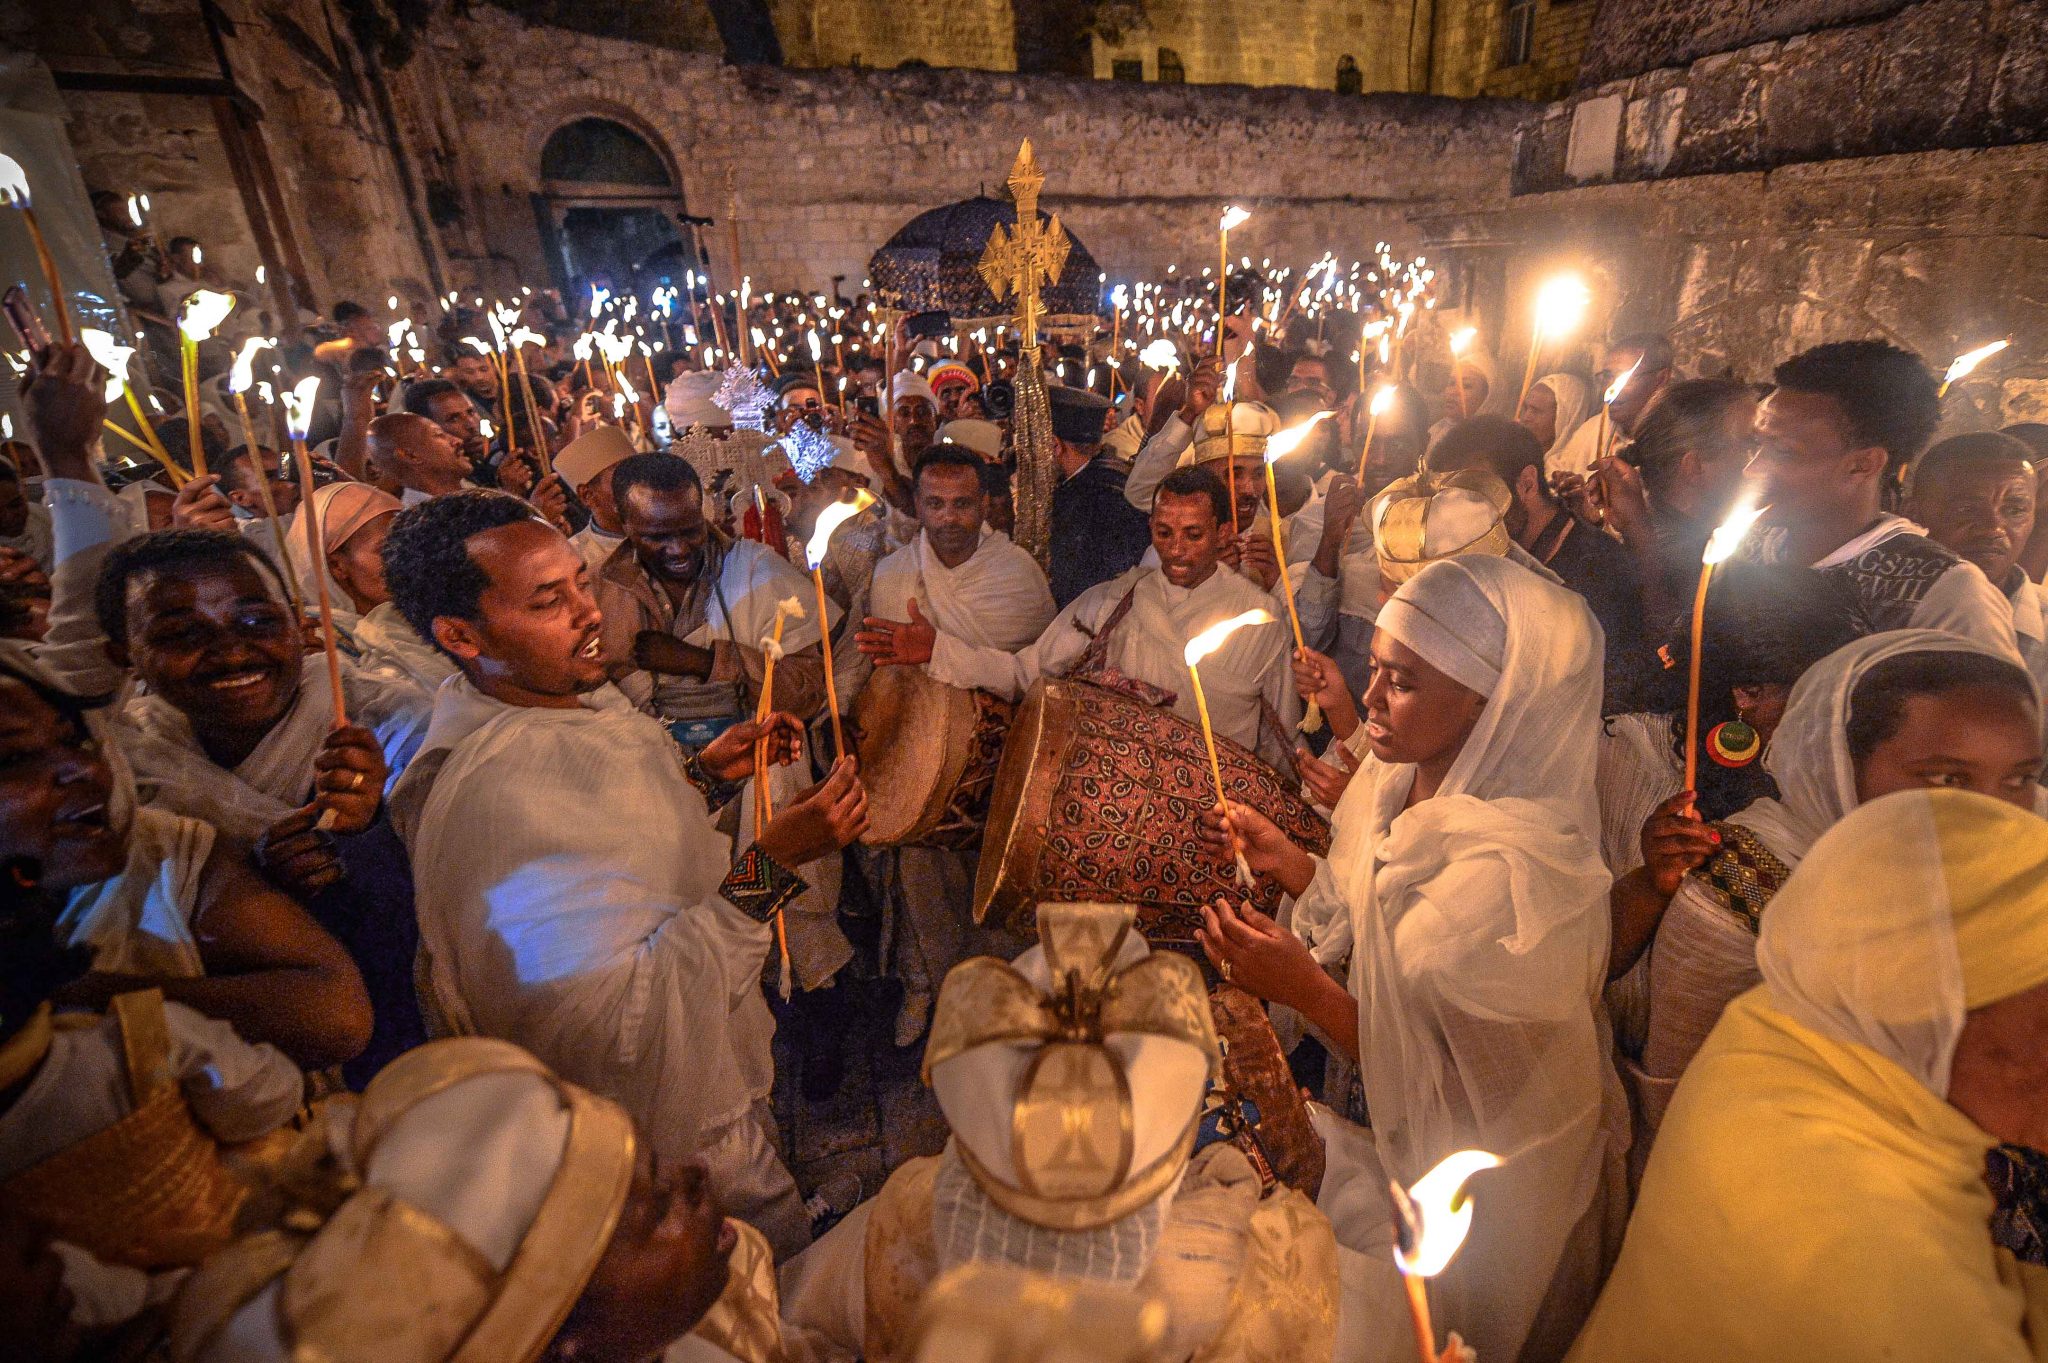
(1620, 382)
(1461, 340)
(111, 356)
(203, 312)
(1284, 443)
(1561, 305)
(298, 407)
(1727, 536)
(244, 372)
(1441, 1217)
(829, 520)
(788, 608)
(597, 298)
(480, 347)
(1382, 398)
(816, 353)
(1211, 639)
(1161, 355)
(1233, 216)
(1970, 359)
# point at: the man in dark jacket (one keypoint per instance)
(1096, 533)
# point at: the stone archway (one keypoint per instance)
(609, 206)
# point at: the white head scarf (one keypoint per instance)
(1962, 922)
(1480, 926)
(1809, 754)
(1574, 401)
(343, 509)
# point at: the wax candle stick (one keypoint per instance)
(1723, 542)
(298, 410)
(1198, 648)
(198, 318)
(1431, 1221)
(14, 193)
(764, 802)
(829, 520)
(1279, 447)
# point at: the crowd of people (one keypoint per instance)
(416, 835)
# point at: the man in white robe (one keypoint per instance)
(1138, 626)
(584, 467)
(574, 895)
(958, 586)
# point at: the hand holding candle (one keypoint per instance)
(298, 416)
(14, 193)
(1726, 538)
(1233, 216)
(829, 520)
(1198, 648)
(1431, 1221)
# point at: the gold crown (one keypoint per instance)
(1072, 1126)
(1401, 520)
(1234, 430)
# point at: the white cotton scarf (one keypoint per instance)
(998, 598)
(1478, 927)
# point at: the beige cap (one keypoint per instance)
(590, 454)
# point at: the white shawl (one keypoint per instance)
(389, 647)
(998, 598)
(567, 877)
(173, 771)
(1480, 925)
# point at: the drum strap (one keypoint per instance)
(1095, 662)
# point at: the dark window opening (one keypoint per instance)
(599, 151)
(1132, 69)
(1517, 32)
(1350, 80)
(1171, 72)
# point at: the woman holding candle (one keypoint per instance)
(1465, 887)
(1889, 712)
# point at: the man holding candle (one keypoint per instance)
(1134, 627)
(1843, 423)
(1648, 361)
(575, 895)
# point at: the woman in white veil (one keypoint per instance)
(1465, 884)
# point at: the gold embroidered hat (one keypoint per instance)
(464, 1207)
(1073, 1079)
(1429, 516)
(995, 1313)
(1233, 430)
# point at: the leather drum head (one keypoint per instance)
(915, 743)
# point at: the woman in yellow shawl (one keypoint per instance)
(1818, 1189)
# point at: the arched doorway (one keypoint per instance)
(608, 209)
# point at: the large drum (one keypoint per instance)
(928, 755)
(1097, 800)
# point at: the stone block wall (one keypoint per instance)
(828, 164)
(1278, 42)
(1467, 52)
(1938, 74)
(1936, 251)
(978, 34)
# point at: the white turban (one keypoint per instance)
(911, 384)
(689, 401)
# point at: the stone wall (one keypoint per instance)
(1467, 52)
(1634, 36)
(979, 34)
(1278, 42)
(828, 164)
(1942, 73)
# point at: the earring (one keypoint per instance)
(1734, 743)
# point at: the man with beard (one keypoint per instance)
(417, 456)
(1138, 624)
(456, 412)
(575, 896)
(474, 374)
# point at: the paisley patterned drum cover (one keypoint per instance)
(1097, 799)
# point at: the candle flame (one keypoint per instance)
(1961, 366)
(1461, 340)
(1620, 382)
(788, 608)
(485, 429)
(829, 520)
(479, 346)
(111, 356)
(1161, 355)
(597, 298)
(816, 353)
(244, 372)
(1233, 216)
(1284, 443)
(1561, 304)
(1211, 639)
(1727, 536)
(1431, 1219)
(203, 312)
(298, 407)
(1382, 398)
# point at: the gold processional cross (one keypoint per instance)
(1019, 260)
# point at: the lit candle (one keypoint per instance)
(1279, 447)
(240, 377)
(1233, 216)
(764, 803)
(114, 358)
(519, 340)
(1723, 542)
(298, 419)
(1604, 444)
(1964, 363)
(1431, 1221)
(1461, 341)
(1198, 648)
(829, 520)
(14, 193)
(198, 318)
(1382, 398)
(1560, 306)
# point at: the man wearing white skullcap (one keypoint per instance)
(1073, 1081)
(472, 1206)
(583, 465)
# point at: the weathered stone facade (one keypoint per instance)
(1879, 178)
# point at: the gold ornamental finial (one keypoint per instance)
(1020, 259)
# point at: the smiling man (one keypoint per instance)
(575, 895)
(1137, 625)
